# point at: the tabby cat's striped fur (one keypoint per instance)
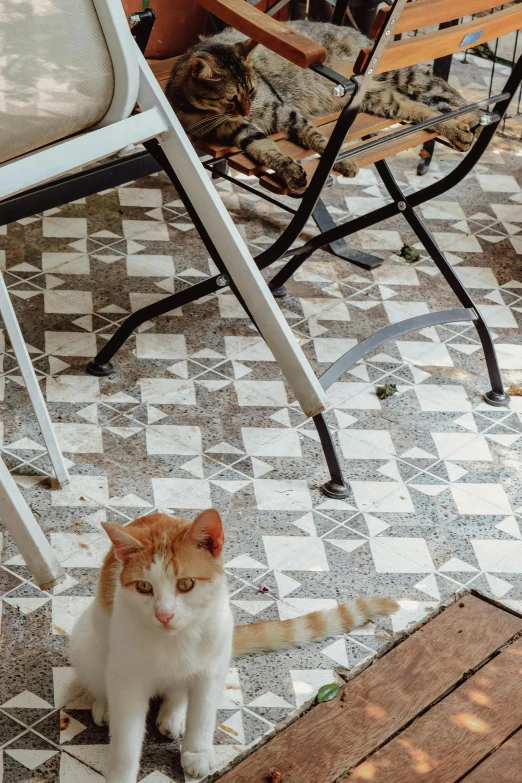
(228, 88)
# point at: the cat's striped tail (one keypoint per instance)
(278, 634)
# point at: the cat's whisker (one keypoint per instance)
(207, 124)
(205, 120)
(200, 122)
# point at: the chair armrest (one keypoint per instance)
(282, 40)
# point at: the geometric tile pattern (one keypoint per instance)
(198, 414)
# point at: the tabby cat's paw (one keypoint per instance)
(348, 168)
(198, 764)
(292, 174)
(458, 134)
(100, 712)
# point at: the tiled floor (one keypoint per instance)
(198, 414)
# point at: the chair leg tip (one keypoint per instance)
(332, 489)
(497, 399)
(279, 291)
(100, 370)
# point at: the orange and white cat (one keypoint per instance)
(161, 624)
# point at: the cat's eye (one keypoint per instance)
(143, 587)
(185, 585)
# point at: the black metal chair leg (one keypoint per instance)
(220, 168)
(426, 157)
(339, 248)
(277, 283)
(336, 487)
(497, 395)
(101, 364)
(442, 68)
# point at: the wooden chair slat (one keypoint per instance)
(219, 150)
(429, 46)
(215, 149)
(363, 125)
(425, 13)
(162, 68)
(246, 165)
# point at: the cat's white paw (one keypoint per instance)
(198, 764)
(171, 723)
(100, 712)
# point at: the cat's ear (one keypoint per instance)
(245, 48)
(199, 68)
(207, 531)
(123, 543)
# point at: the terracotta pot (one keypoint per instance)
(281, 15)
(177, 26)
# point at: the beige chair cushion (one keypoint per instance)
(56, 76)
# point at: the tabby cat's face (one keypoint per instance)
(220, 78)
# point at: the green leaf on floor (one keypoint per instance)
(328, 692)
(409, 253)
(342, 776)
(388, 390)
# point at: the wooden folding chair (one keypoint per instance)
(379, 143)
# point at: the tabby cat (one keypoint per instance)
(228, 88)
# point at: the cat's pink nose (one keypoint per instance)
(164, 617)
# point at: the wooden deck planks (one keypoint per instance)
(384, 698)
(503, 766)
(453, 736)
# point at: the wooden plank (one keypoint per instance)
(219, 150)
(363, 125)
(452, 737)
(162, 68)
(283, 40)
(504, 766)
(389, 148)
(381, 700)
(246, 165)
(425, 13)
(429, 46)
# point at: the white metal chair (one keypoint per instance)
(71, 76)
(14, 511)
